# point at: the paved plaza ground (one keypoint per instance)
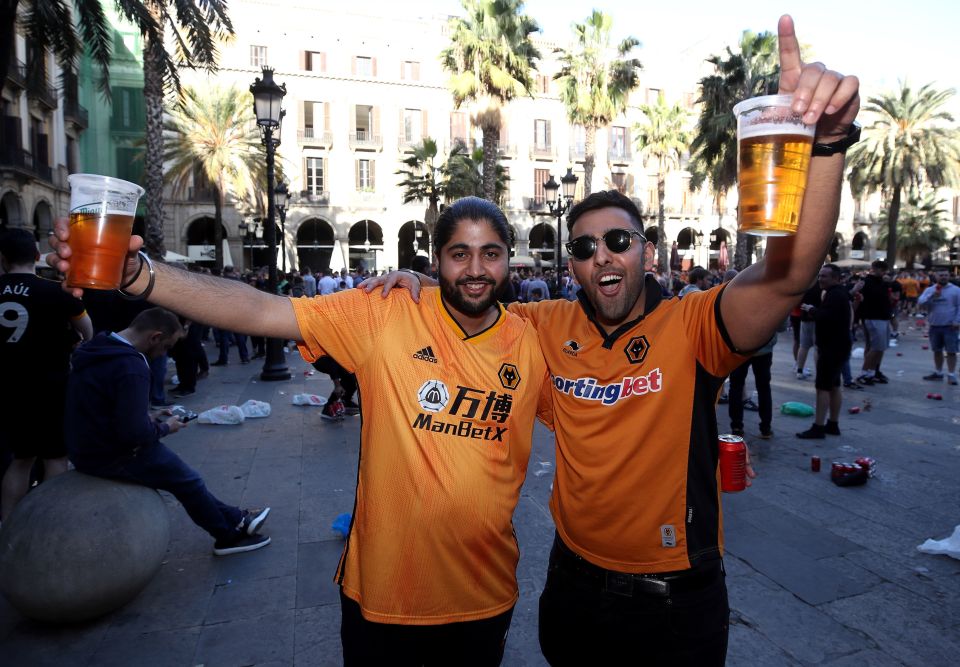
(817, 574)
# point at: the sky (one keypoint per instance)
(882, 41)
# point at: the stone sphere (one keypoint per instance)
(77, 547)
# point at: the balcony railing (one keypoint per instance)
(308, 198)
(619, 154)
(17, 75)
(405, 145)
(578, 153)
(506, 151)
(543, 152)
(310, 136)
(74, 112)
(39, 90)
(534, 203)
(361, 140)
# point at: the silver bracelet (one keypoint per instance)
(150, 272)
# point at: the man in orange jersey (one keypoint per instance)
(635, 574)
(428, 573)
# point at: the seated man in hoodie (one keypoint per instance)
(110, 432)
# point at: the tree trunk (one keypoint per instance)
(218, 226)
(491, 137)
(663, 255)
(589, 158)
(430, 220)
(892, 218)
(153, 156)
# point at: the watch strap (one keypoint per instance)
(840, 145)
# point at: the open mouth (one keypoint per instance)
(475, 288)
(609, 283)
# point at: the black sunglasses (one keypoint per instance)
(617, 240)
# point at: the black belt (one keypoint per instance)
(629, 584)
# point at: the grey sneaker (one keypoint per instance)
(239, 544)
(253, 520)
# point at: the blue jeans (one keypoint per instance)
(224, 338)
(157, 467)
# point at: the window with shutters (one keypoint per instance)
(315, 61)
(410, 70)
(315, 175)
(653, 199)
(127, 110)
(540, 176)
(541, 133)
(363, 66)
(365, 175)
(543, 84)
(314, 119)
(619, 182)
(258, 56)
(412, 125)
(619, 146)
(652, 94)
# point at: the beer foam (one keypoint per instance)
(765, 128)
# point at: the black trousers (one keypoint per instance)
(189, 355)
(586, 619)
(738, 378)
(469, 644)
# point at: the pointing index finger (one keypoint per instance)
(790, 62)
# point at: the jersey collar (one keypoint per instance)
(652, 298)
(451, 321)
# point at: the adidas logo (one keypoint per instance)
(426, 354)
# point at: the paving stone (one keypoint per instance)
(860, 658)
(247, 642)
(810, 580)
(39, 645)
(277, 559)
(248, 599)
(747, 648)
(797, 533)
(151, 649)
(316, 567)
(902, 624)
(802, 631)
(317, 636)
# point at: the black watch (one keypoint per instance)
(841, 145)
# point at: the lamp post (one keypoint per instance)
(267, 96)
(281, 197)
(560, 204)
(251, 230)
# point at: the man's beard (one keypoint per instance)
(471, 307)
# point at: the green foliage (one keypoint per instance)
(920, 229)
(466, 180)
(195, 26)
(595, 79)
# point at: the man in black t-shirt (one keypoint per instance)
(832, 335)
(39, 324)
(875, 312)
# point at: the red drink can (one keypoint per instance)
(733, 463)
(815, 463)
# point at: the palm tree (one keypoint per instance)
(906, 145)
(919, 230)
(213, 130)
(753, 71)
(197, 26)
(490, 59)
(595, 82)
(664, 137)
(465, 173)
(426, 179)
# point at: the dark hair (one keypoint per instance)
(157, 319)
(878, 264)
(606, 199)
(421, 264)
(835, 270)
(470, 208)
(697, 274)
(18, 246)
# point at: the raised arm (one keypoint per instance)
(758, 299)
(226, 304)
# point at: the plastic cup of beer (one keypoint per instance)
(102, 209)
(773, 156)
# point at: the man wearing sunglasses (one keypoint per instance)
(637, 557)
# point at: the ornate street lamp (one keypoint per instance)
(560, 204)
(281, 197)
(267, 97)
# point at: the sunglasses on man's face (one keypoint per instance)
(617, 241)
